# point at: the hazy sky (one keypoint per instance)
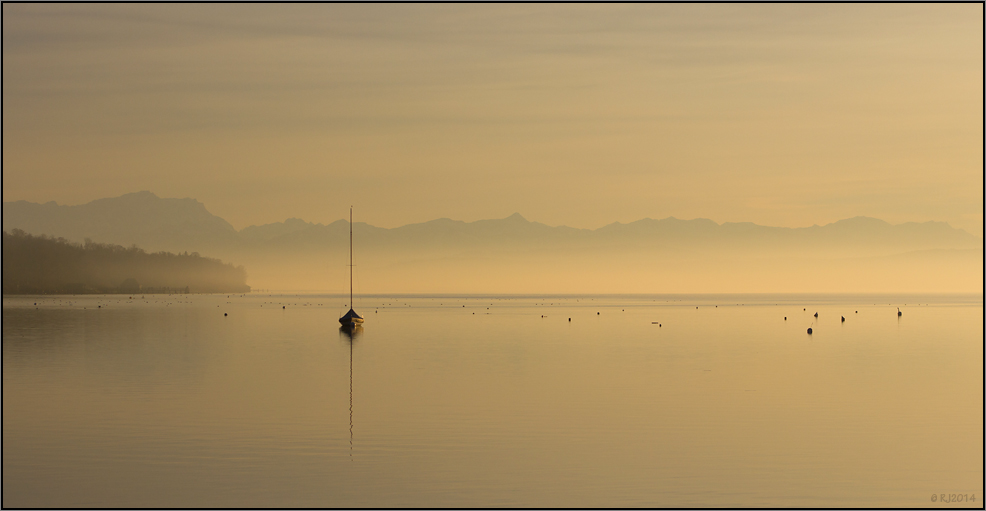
(581, 115)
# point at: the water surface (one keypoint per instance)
(564, 401)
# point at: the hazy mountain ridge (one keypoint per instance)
(267, 232)
(140, 218)
(155, 223)
(516, 255)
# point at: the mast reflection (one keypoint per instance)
(350, 333)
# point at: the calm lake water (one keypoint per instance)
(492, 401)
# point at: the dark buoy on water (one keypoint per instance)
(225, 314)
(284, 306)
(569, 320)
(898, 312)
(785, 318)
(816, 314)
(809, 330)
(843, 319)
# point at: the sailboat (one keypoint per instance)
(351, 319)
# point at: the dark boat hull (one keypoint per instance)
(351, 318)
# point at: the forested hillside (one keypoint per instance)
(44, 265)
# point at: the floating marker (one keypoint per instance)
(843, 319)
(809, 330)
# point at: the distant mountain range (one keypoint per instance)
(179, 225)
(140, 218)
(154, 223)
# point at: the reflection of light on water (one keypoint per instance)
(517, 405)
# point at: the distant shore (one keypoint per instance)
(47, 266)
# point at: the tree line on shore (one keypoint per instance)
(46, 265)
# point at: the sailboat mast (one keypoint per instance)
(350, 257)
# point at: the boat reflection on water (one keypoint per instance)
(350, 333)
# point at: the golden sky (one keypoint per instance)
(579, 115)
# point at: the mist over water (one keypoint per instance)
(442, 400)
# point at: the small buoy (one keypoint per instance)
(659, 325)
(809, 330)
(597, 314)
(898, 312)
(785, 318)
(224, 314)
(569, 319)
(843, 319)
(816, 314)
(284, 306)
(857, 312)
